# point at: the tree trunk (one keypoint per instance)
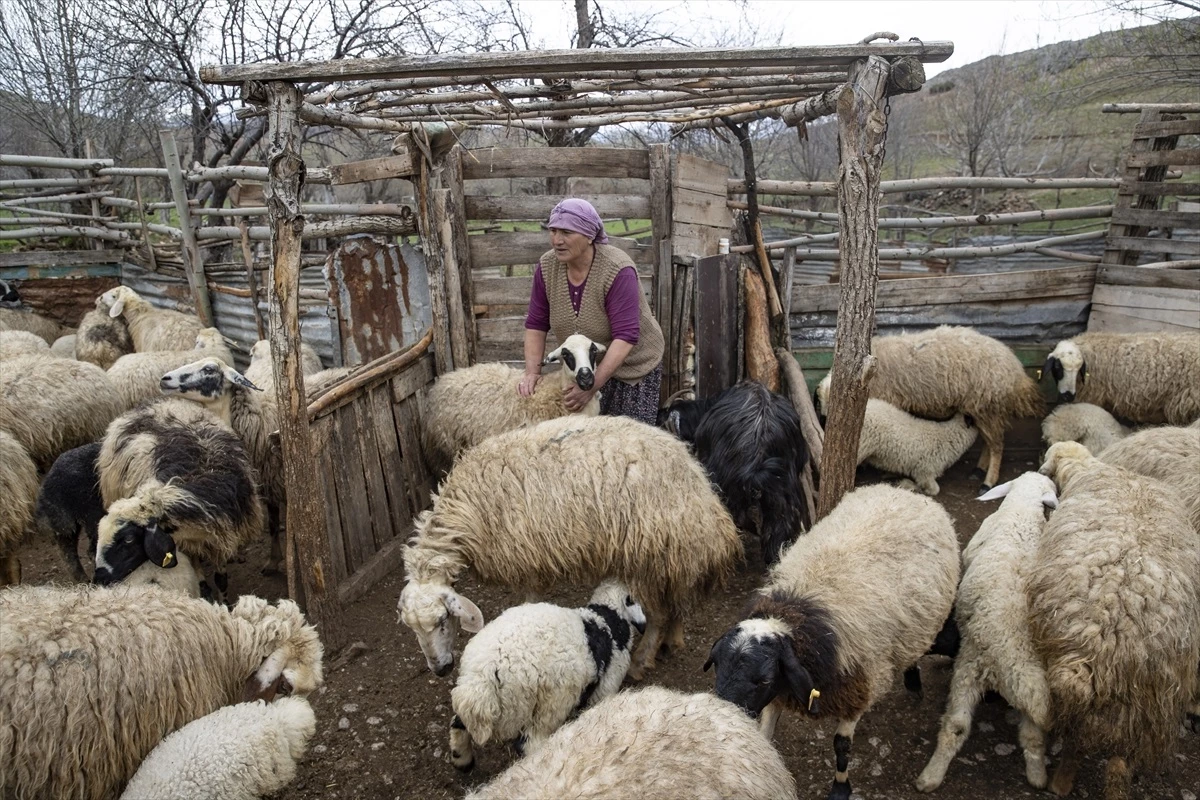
(862, 129)
(760, 357)
(305, 517)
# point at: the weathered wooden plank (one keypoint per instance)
(377, 496)
(61, 258)
(380, 565)
(412, 379)
(700, 175)
(1149, 298)
(511, 353)
(1137, 276)
(538, 207)
(1181, 157)
(1149, 130)
(388, 447)
(956, 289)
(698, 208)
(407, 420)
(1113, 320)
(322, 434)
(352, 494)
(697, 241)
(498, 249)
(515, 291)
(1155, 219)
(372, 169)
(1183, 247)
(716, 324)
(1159, 188)
(554, 162)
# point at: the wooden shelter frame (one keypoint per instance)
(426, 98)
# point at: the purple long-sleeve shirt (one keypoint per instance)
(621, 304)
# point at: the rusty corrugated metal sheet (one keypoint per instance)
(381, 292)
(63, 299)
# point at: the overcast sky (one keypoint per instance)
(978, 28)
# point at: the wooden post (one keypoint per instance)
(454, 307)
(251, 282)
(193, 262)
(137, 188)
(97, 244)
(660, 226)
(761, 365)
(305, 516)
(431, 245)
(456, 210)
(862, 130)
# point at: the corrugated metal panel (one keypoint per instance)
(234, 315)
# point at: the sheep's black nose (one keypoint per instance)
(585, 379)
(443, 670)
(1066, 397)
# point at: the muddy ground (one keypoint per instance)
(382, 716)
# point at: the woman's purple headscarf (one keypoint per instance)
(580, 216)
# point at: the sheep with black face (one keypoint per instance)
(468, 405)
(860, 597)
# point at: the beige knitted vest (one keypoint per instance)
(592, 320)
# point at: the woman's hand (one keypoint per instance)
(527, 384)
(575, 398)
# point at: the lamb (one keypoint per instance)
(466, 406)
(53, 404)
(181, 578)
(1115, 612)
(575, 499)
(859, 597)
(22, 319)
(151, 328)
(938, 373)
(21, 343)
(18, 492)
(92, 678)
(64, 346)
(1141, 377)
(261, 364)
(102, 339)
(895, 441)
(69, 504)
(750, 443)
(996, 646)
(137, 376)
(1088, 424)
(237, 401)
(529, 669)
(173, 474)
(240, 752)
(655, 744)
(1167, 454)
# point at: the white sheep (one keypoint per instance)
(1115, 613)
(173, 474)
(240, 752)
(1141, 377)
(1088, 424)
(529, 669)
(858, 598)
(21, 343)
(151, 328)
(137, 376)
(22, 319)
(466, 406)
(575, 499)
(64, 346)
(653, 744)
(182, 578)
(92, 678)
(18, 496)
(260, 372)
(938, 373)
(895, 441)
(1167, 454)
(992, 610)
(53, 404)
(102, 339)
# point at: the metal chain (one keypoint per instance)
(887, 114)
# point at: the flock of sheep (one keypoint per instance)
(159, 453)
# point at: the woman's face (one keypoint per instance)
(569, 246)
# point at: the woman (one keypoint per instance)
(585, 285)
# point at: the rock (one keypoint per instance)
(884, 750)
(986, 727)
(319, 749)
(1005, 749)
(343, 724)
(350, 708)
(374, 720)
(1186, 795)
(377, 746)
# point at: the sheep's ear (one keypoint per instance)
(598, 350)
(997, 492)
(160, 547)
(118, 307)
(234, 376)
(1082, 375)
(266, 680)
(718, 645)
(469, 615)
(800, 682)
(1050, 500)
(553, 356)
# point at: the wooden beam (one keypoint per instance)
(46, 162)
(434, 266)
(862, 132)
(547, 162)
(660, 224)
(502, 65)
(193, 261)
(538, 207)
(829, 188)
(372, 169)
(310, 559)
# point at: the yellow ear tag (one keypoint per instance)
(812, 697)
(170, 557)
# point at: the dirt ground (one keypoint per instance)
(382, 717)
